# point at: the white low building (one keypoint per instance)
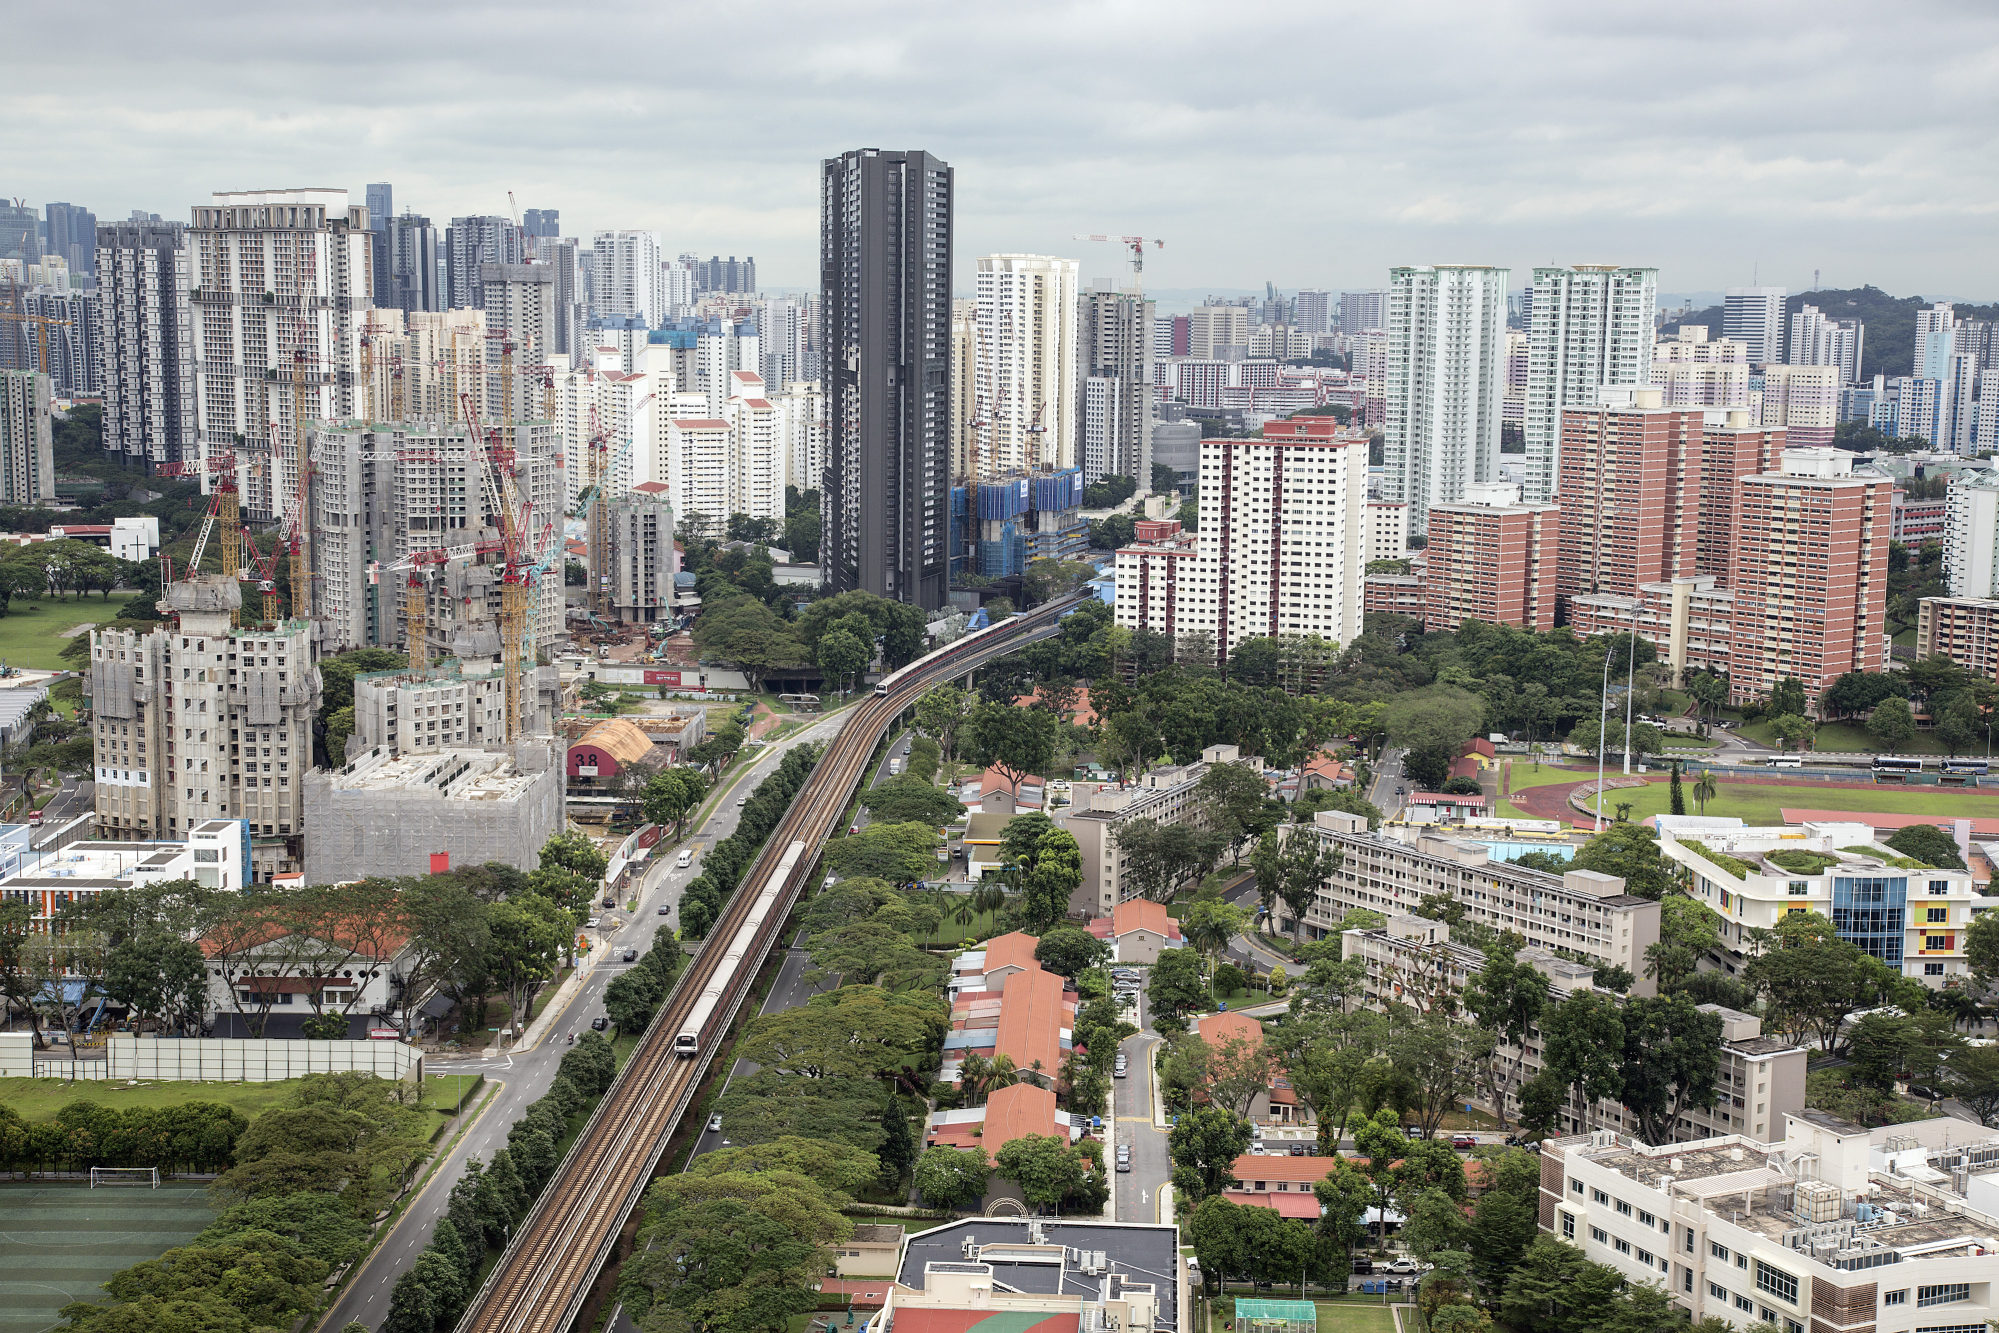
(214, 855)
(1836, 1229)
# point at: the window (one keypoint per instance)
(1717, 1291)
(1932, 969)
(1944, 1293)
(1568, 1226)
(1645, 1219)
(1742, 1261)
(1598, 1196)
(1687, 1280)
(1645, 1257)
(1599, 1235)
(1690, 1239)
(1744, 1304)
(1936, 943)
(1896, 1298)
(1621, 1245)
(1575, 1187)
(1777, 1282)
(1718, 1251)
(1937, 914)
(1623, 1208)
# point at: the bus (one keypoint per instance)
(1962, 772)
(1890, 768)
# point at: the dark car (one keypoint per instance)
(599, 1023)
(1362, 1264)
(631, 955)
(664, 909)
(1302, 1150)
(609, 901)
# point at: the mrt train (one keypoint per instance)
(701, 1022)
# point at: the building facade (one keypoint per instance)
(1590, 329)
(1491, 557)
(1754, 317)
(885, 333)
(1115, 408)
(627, 278)
(200, 720)
(421, 814)
(1446, 374)
(1691, 371)
(471, 243)
(1280, 549)
(27, 439)
(1026, 362)
(146, 353)
(278, 278)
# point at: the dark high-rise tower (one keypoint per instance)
(885, 334)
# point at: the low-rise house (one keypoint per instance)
(1137, 930)
(216, 855)
(264, 975)
(1039, 1275)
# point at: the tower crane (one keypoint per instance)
(1136, 244)
(45, 322)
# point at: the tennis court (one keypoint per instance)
(59, 1242)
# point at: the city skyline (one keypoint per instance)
(1691, 151)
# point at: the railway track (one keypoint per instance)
(540, 1282)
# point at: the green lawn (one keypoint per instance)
(446, 1093)
(31, 631)
(1759, 804)
(1354, 1317)
(63, 1240)
(1525, 775)
(40, 1098)
(1844, 738)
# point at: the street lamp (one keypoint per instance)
(1602, 725)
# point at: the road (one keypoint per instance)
(524, 1074)
(1388, 776)
(1136, 1121)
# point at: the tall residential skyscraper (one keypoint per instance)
(628, 280)
(564, 256)
(145, 348)
(1590, 328)
(407, 277)
(1363, 310)
(278, 276)
(1313, 311)
(885, 289)
(20, 232)
(1026, 362)
(470, 243)
(1754, 317)
(1211, 328)
(519, 301)
(27, 440)
(737, 277)
(1818, 341)
(381, 198)
(537, 223)
(72, 234)
(1446, 373)
(1114, 415)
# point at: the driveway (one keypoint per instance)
(523, 1074)
(1136, 1122)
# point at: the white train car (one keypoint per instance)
(695, 1032)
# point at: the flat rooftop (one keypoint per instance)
(1142, 1254)
(458, 775)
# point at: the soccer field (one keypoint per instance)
(59, 1242)
(1759, 803)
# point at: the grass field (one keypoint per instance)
(1525, 775)
(62, 1241)
(30, 632)
(1844, 738)
(40, 1098)
(1357, 1314)
(1758, 804)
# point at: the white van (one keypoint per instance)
(686, 858)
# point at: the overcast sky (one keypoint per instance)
(1305, 144)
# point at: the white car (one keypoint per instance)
(591, 924)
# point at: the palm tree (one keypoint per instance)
(972, 1075)
(1623, 811)
(989, 896)
(1001, 1072)
(1704, 789)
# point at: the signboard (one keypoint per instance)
(662, 678)
(384, 1034)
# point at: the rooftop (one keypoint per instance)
(457, 775)
(1134, 1252)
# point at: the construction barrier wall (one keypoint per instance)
(237, 1060)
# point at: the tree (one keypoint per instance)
(1204, 1145)
(1436, 1222)
(1173, 985)
(1047, 1167)
(1234, 796)
(1344, 1195)
(1210, 923)
(1929, 844)
(1678, 796)
(1291, 865)
(1582, 1042)
(897, 853)
(1017, 742)
(1981, 947)
(529, 935)
(941, 715)
(1505, 1219)
(158, 976)
(1892, 724)
(1811, 978)
(1070, 949)
(953, 1177)
(1380, 1141)
(1056, 874)
(1704, 789)
(1972, 1076)
(1793, 730)
(1631, 852)
(1507, 997)
(1788, 697)
(910, 799)
(1671, 1053)
(1433, 724)
(842, 656)
(671, 795)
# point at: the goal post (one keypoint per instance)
(148, 1176)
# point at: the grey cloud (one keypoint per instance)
(1308, 143)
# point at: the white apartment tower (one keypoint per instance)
(197, 720)
(1691, 371)
(734, 462)
(628, 280)
(143, 341)
(277, 278)
(964, 384)
(1446, 376)
(1210, 328)
(625, 408)
(1115, 409)
(1818, 341)
(1754, 317)
(519, 301)
(1591, 328)
(1026, 362)
(1280, 549)
(1971, 534)
(27, 439)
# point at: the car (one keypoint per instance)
(664, 909)
(1125, 973)
(1362, 1264)
(742, 801)
(1400, 790)
(1119, 1072)
(686, 859)
(1403, 1264)
(631, 955)
(591, 924)
(1302, 1150)
(715, 1123)
(1412, 1131)
(599, 1023)
(609, 901)
(1124, 1163)
(1463, 1142)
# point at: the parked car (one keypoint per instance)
(609, 901)
(1363, 1264)
(1403, 1264)
(591, 924)
(1463, 1142)
(599, 1023)
(1302, 1150)
(1119, 1070)
(715, 1123)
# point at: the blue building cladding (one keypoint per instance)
(1871, 911)
(1015, 521)
(680, 338)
